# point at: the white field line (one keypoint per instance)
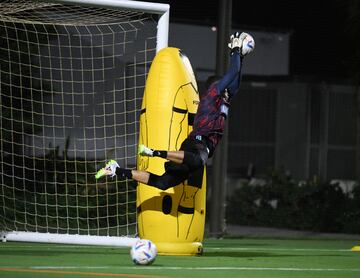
(205, 248)
(289, 269)
(255, 268)
(55, 267)
(294, 269)
(53, 246)
(278, 249)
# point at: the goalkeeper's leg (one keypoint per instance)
(175, 156)
(173, 176)
(193, 160)
(112, 169)
(193, 152)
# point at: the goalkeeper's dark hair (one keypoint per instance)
(211, 79)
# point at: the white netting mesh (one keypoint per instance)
(72, 80)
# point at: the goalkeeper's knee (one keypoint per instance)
(193, 161)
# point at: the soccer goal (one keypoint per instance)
(72, 76)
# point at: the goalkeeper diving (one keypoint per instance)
(208, 127)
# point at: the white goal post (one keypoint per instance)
(163, 10)
(72, 76)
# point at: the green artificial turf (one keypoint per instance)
(245, 257)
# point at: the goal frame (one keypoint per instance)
(163, 11)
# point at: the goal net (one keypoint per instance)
(72, 76)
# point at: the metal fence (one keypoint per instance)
(308, 129)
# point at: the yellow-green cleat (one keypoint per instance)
(144, 151)
(100, 173)
(111, 165)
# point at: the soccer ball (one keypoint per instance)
(248, 45)
(143, 252)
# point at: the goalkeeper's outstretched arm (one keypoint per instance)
(240, 45)
(231, 79)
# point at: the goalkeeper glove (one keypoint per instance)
(235, 41)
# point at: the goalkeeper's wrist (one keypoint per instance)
(235, 49)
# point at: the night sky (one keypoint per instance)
(320, 45)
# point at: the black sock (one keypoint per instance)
(123, 173)
(162, 154)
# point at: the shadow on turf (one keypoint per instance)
(243, 254)
(231, 244)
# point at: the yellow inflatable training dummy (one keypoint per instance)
(173, 219)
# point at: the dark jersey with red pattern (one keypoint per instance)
(210, 118)
(209, 121)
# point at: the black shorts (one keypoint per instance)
(173, 168)
(191, 145)
(186, 171)
(197, 147)
(176, 174)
